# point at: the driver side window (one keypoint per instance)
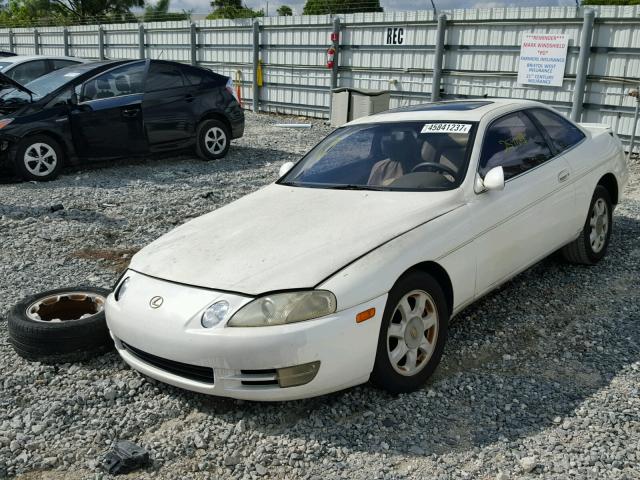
(514, 143)
(121, 81)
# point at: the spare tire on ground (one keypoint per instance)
(63, 325)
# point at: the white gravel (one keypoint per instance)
(541, 379)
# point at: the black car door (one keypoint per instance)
(107, 120)
(168, 106)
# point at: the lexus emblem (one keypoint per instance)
(156, 302)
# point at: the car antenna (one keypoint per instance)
(159, 56)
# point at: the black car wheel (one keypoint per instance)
(62, 325)
(213, 140)
(412, 335)
(39, 158)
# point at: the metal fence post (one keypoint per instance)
(141, 44)
(65, 39)
(583, 65)
(256, 60)
(12, 43)
(438, 57)
(36, 41)
(101, 42)
(194, 44)
(635, 94)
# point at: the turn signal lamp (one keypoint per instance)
(366, 315)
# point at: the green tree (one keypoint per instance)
(285, 11)
(18, 13)
(324, 7)
(160, 11)
(116, 9)
(232, 9)
(610, 2)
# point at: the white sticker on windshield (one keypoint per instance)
(446, 128)
(72, 74)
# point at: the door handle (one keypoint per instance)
(563, 175)
(189, 98)
(130, 112)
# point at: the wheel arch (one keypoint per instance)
(213, 115)
(438, 272)
(609, 182)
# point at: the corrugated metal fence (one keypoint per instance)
(481, 50)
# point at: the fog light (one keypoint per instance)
(214, 314)
(298, 375)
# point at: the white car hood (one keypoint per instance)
(283, 237)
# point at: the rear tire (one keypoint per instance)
(412, 335)
(591, 246)
(59, 326)
(39, 158)
(212, 140)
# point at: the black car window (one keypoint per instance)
(514, 143)
(563, 133)
(163, 77)
(57, 63)
(28, 71)
(126, 80)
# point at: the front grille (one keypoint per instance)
(192, 372)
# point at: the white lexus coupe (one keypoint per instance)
(349, 267)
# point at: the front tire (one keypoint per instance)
(413, 334)
(591, 246)
(213, 140)
(39, 158)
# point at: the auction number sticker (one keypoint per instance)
(446, 128)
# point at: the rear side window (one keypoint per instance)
(28, 71)
(563, 133)
(163, 77)
(514, 143)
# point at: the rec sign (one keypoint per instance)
(395, 36)
(542, 59)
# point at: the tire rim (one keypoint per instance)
(599, 225)
(63, 307)
(412, 333)
(215, 140)
(40, 159)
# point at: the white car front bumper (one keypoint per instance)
(169, 344)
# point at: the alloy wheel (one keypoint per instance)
(412, 333)
(599, 223)
(40, 159)
(215, 140)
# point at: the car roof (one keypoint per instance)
(26, 58)
(470, 110)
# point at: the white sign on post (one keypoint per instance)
(542, 59)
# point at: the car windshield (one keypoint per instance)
(42, 86)
(388, 156)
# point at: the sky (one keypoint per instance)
(202, 6)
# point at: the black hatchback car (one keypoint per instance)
(112, 109)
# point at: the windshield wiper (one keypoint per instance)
(350, 186)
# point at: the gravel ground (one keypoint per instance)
(540, 379)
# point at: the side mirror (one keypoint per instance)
(73, 99)
(284, 169)
(494, 179)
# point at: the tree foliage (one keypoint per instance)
(160, 12)
(324, 7)
(285, 11)
(232, 9)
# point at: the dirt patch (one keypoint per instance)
(116, 259)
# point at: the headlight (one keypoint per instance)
(121, 289)
(214, 314)
(282, 308)
(5, 121)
